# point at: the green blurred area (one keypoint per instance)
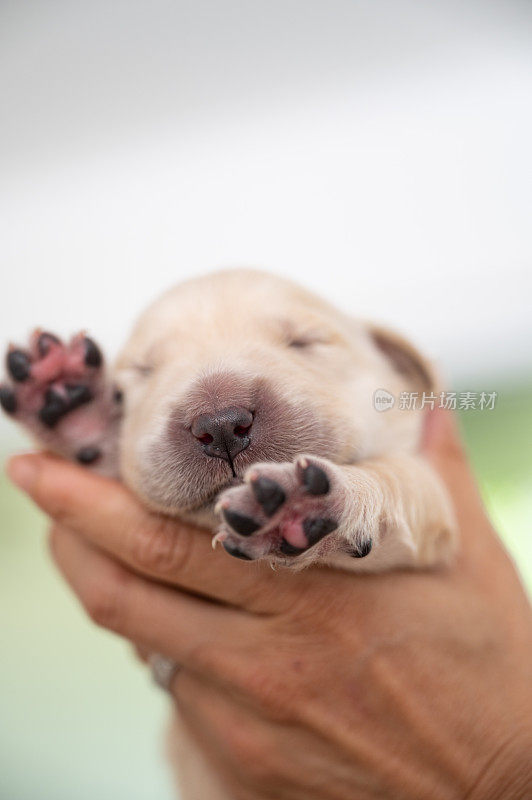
(499, 444)
(79, 717)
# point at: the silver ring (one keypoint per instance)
(163, 670)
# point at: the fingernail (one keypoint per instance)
(23, 471)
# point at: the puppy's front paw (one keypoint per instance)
(59, 393)
(286, 512)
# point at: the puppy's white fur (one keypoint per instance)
(245, 324)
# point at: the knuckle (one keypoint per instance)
(104, 603)
(257, 684)
(163, 548)
(281, 690)
(272, 696)
(57, 500)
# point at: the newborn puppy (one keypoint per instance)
(245, 403)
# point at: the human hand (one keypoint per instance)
(318, 684)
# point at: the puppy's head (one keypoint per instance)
(240, 367)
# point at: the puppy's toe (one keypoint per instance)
(268, 493)
(240, 522)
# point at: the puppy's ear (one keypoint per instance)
(404, 358)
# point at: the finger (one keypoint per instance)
(189, 630)
(112, 518)
(141, 652)
(443, 447)
(441, 438)
(249, 750)
(191, 752)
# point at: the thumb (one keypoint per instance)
(441, 438)
(442, 446)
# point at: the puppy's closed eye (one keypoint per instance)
(132, 373)
(304, 338)
(142, 369)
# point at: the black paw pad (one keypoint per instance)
(288, 549)
(19, 365)
(78, 394)
(315, 529)
(8, 400)
(45, 341)
(234, 551)
(240, 523)
(93, 355)
(88, 455)
(55, 406)
(269, 494)
(315, 480)
(362, 550)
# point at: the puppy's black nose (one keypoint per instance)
(225, 433)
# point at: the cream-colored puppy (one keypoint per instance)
(245, 403)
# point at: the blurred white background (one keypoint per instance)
(379, 151)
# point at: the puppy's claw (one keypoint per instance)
(362, 550)
(218, 537)
(220, 505)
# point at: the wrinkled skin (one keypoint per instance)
(317, 685)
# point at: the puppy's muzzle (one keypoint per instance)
(225, 433)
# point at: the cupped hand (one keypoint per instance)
(319, 684)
